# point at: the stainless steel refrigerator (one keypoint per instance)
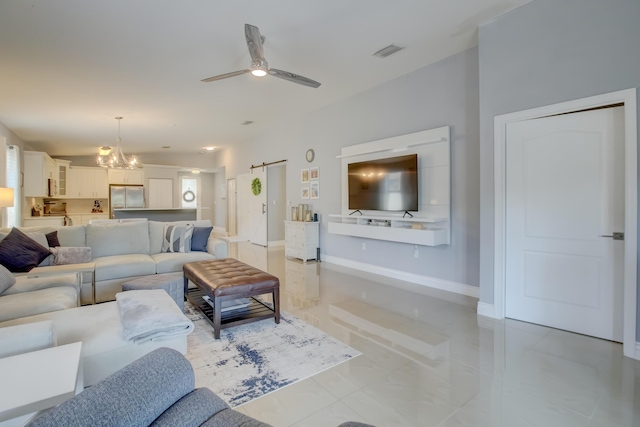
(125, 197)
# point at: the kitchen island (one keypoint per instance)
(157, 214)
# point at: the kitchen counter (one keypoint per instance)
(157, 214)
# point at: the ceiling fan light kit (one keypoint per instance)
(259, 66)
(116, 159)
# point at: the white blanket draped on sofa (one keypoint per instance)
(151, 315)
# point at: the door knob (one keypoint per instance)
(615, 236)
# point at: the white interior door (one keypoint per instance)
(258, 207)
(564, 192)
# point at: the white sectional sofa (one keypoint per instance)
(120, 252)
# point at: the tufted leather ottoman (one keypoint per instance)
(228, 279)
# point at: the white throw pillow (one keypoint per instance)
(7, 279)
(177, 238)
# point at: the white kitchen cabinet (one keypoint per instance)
(87, 183)
(62, 168)
(38, 169)
(43, 221)
(301, 239)
(126, 176)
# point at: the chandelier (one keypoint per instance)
(115, 158)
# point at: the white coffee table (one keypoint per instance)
(39, 380)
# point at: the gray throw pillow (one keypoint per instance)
(64, 255)
(7, 279)
(177, 238)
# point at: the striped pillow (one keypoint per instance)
(177, 238)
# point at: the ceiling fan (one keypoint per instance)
(259, 66)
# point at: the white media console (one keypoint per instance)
(431, 224)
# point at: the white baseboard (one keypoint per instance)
(432, 282)
(487, 310)
(275, 243)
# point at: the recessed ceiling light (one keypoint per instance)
(166, 146)
(209, 148)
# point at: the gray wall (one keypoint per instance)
(444, 93)
(543, 53)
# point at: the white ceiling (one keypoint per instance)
(68, 67)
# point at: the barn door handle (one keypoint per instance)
(264, 208)
(615, 236)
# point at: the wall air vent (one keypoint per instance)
(386, 51)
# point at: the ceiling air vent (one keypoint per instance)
(386, 51)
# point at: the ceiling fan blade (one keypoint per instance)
(254, 42)
(294, 78)
(226, 76)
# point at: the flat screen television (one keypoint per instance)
(389, 184)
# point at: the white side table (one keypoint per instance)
(56, 270)
(39, 380)
(230, 240)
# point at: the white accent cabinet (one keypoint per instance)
(301, 239)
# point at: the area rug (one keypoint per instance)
(252, 360)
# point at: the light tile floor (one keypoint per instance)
(429, 360)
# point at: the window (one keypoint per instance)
(12, 216)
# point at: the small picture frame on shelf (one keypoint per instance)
(314, 189)
(304, 175)
(314, 173)
(304, 194)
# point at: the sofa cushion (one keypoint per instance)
(7, 279)
(25, 338)
(156, 232)
(172, 262)
(122, 266)
(200, 238)
(104, 350)
(177, 238)
(24, 284)
(42, 239)
(36, 302)
(74, 235)
(18, 252)
(118, 239)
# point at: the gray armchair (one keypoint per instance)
(155, 390)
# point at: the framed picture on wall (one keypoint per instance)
(305, 192)
(304, 175)
(314, 173)
(314, 188)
